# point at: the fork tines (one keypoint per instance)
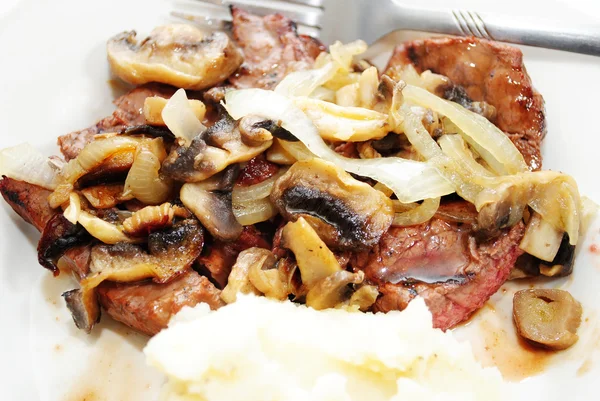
(303, 12)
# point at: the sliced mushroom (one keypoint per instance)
(84, 308)
(333, 290)
(362, 299)
(179, 55)
(255, 272)
(223, 144)
(347, 213)
(170, 253)
(238, 281)
(149, 131)
(541, 239)
(211, 202)
(58, 236)
(265, 276)
(547, 318)
(314, 258)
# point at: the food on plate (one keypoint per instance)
(180, 55)
(297, 172)
(274, 350)
(547, 317)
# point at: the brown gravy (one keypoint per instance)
(514, 357)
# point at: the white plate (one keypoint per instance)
(55, 79)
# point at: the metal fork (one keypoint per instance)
(369, 20)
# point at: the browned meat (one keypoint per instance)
(77, 260)
(271, 47)
(442, 262)
(490, 72)
(256, 171)
(28, 200)
(220, 256)
(129, 112)
(147, 307)
(314, 47)
(347, 149)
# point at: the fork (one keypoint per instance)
(369, 20)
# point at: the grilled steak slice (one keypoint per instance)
(129, 112)
(490, 72)
(28, 200)
(143, 306)
(147, 307)
(442, 262)
(271, 47)
(219, 257)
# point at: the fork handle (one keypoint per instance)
(577, 38)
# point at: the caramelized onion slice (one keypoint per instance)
(420, 214)
(90, 158)
(25, 163)
(337, 123)
(314, 259)
(149, 219)
(154, 106)
(144, 181)
(410, 180)
(213, 209)
(489, 141)
(547, 318)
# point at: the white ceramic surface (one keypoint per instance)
(55, 79)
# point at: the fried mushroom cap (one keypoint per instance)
(178, 54)
(347, 213)
(547, 318)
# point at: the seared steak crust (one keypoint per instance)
(129, 112)
(490, 72)
(147, 306)
(272, 48)
(28, 200)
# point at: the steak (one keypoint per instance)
(144, 306)
(272, 48)
(219, 256)
(129, 112)
(443, 262)
(28, 200)
(487, 71)
(147, 306)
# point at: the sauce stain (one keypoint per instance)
(585, 367)
(514, 357)
(109, 375)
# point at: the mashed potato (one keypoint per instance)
(261, 350)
